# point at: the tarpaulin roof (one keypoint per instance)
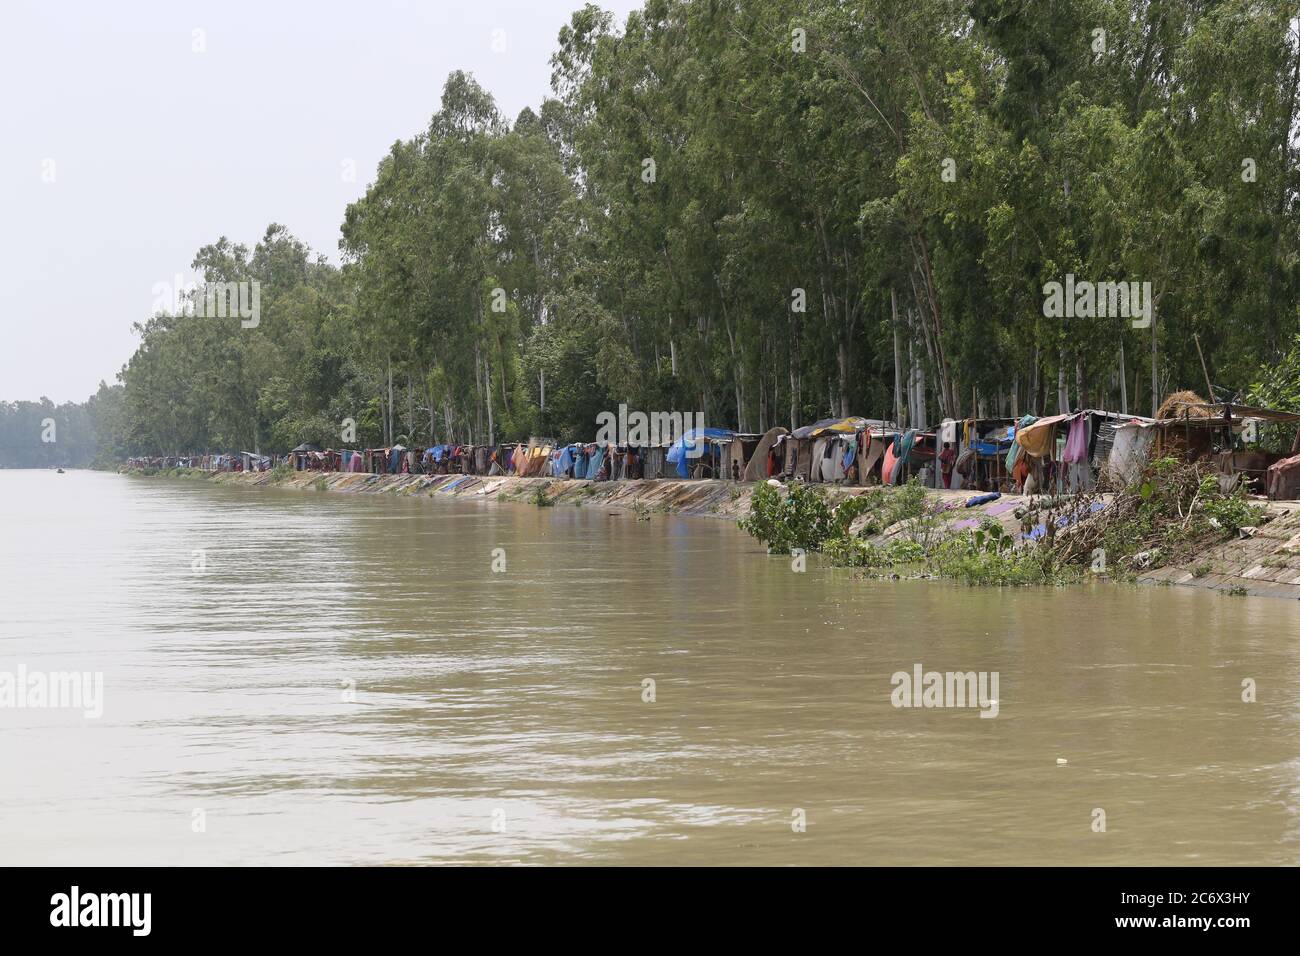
(1220, 412)
(688, 440)
(686, 446)
(1036, 437)
(833, 426)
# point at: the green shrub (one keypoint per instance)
(904, 551)
(799, 518)
(1230, 512)
(848, 551)
(982, 558)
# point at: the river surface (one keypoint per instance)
(344, 679)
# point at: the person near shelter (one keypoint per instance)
(946, 460)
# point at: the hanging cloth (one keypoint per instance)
(1076, 445)
(1014, 451)
(888, 466)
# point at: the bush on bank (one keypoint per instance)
(1173, 512)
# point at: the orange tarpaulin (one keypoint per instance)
(887, 467)
(1036, 439)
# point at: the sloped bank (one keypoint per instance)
(696, 498)
(1266, 564)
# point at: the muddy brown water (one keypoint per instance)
(296, 678)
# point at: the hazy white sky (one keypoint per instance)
(123, 150)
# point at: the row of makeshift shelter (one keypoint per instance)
(239, 461)
(1227, 434)
(1070, 452)
(1055, 453)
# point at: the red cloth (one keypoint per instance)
(887, 466)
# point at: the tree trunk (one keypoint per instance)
(487, 377)
(1123, 376)
(1062, 391)
(898, 379)
(388, 439)
(1155, 387)
(433, 423)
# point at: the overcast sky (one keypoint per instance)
(124, 150)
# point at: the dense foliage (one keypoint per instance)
(71, 435)
(1174, 513)
(761, 211)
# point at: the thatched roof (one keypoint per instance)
(1184, 405)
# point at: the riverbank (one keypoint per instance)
(1265, 563)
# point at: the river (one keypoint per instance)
(316, 678)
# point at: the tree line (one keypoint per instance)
(68, 435)
(775, 212)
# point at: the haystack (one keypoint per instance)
(1183, 405)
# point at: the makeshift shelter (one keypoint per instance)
(832, 455)
(1283, 480)
(564, 461)
(534, 458)
(817, 459)
(386, 461)
(850, 425)
(697, 453)
(597, 463)
(828, 450)
(762, 463)
(735, 454)
(1222, 432)
(655, 462)
(982, 445)
(1129, 452)
(803, 457)
(301, 456)
(1182, 405)
(872, 454)
(897, 457)
(1066, 453)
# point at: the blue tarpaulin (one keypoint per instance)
(564, 461)
(902, 451)
(691, 445)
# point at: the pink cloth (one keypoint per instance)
(1076, 445)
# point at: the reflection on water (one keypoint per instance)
(348, 681)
